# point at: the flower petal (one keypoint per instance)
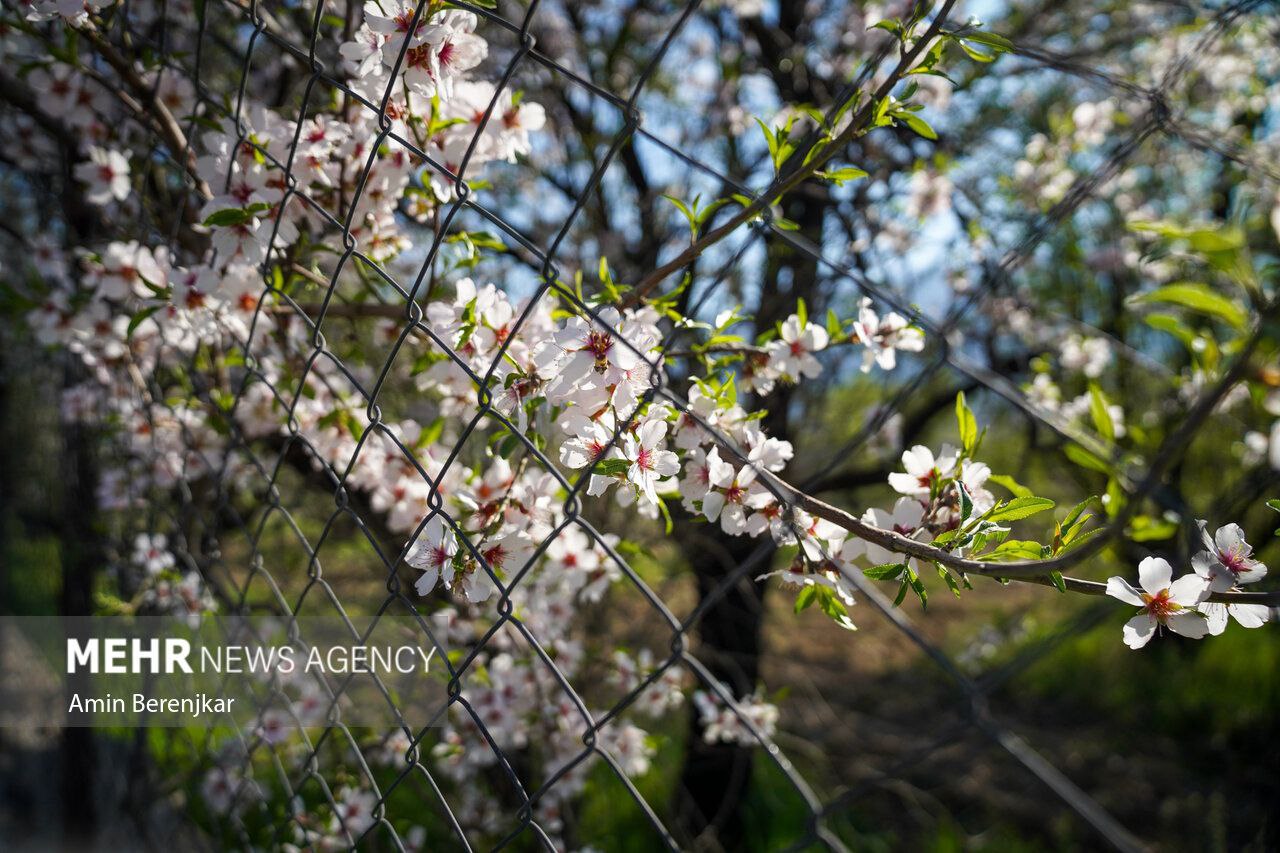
(1155, 573)
(1215, 616)
(1139, 630)
(1118, 587)
(1189, 590)
(1250, 615)
(1189, 623)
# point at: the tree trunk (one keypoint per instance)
(716, 777)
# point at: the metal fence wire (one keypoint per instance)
(237, 546)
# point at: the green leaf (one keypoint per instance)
(1014, 549)
(610, 467)
(1114, 498)
(1017, 489)
(234, 215)
(806, 598)
(1020, 508)
(1056, 577)
(992, 40)
(1172, 325)
(1086, 459)
(1083, 538)
(843, 175)
(835, 609)
(835, 329)
(919, 125)
(966, 502)
(139, 318)
(1199, 298)
(432, 433)
(968, 424)
(976, 55)
(945, 574)
(1100, 413)
(885, 572)
(918, 586)
(1070, 526)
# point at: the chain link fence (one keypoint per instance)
(270, 555)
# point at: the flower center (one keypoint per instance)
(1159, 606)
(446, 54)
(1235, 561)
(644, 459)
(418, 57)
(404, 19)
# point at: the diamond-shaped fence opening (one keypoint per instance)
(351, 393)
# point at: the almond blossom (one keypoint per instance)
(106, 175)
(884, 336)
(1165, 603)
(793, 354)
(1227, 559)
(924, 472)
(433, 552)
(649, 461)
(731, 495)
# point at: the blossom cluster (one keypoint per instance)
(1181, 606)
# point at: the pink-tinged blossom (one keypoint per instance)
(923, 470)
(883, 337)
(731, 496)
(723, 724)
(151, 553)
(1165, 603)
(105, 176)
(1227, 559)
(650, 461)
(432, 553)
(793, 353)
(905, 520)
(353, 811)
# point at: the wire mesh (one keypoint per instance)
(268, 469)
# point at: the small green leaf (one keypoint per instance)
(139, 318)
(968, 424)
(992, 40)
(835, 328)
(919, 125)
(234, 215)
(885, 572)
(843, 175)
(1056, 577)
(1100, 413)
(1019, 508)
(806, 598)
(1014, 549)
(1086, 459)
(1199, 298)
(610, 467)
(966, 502)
